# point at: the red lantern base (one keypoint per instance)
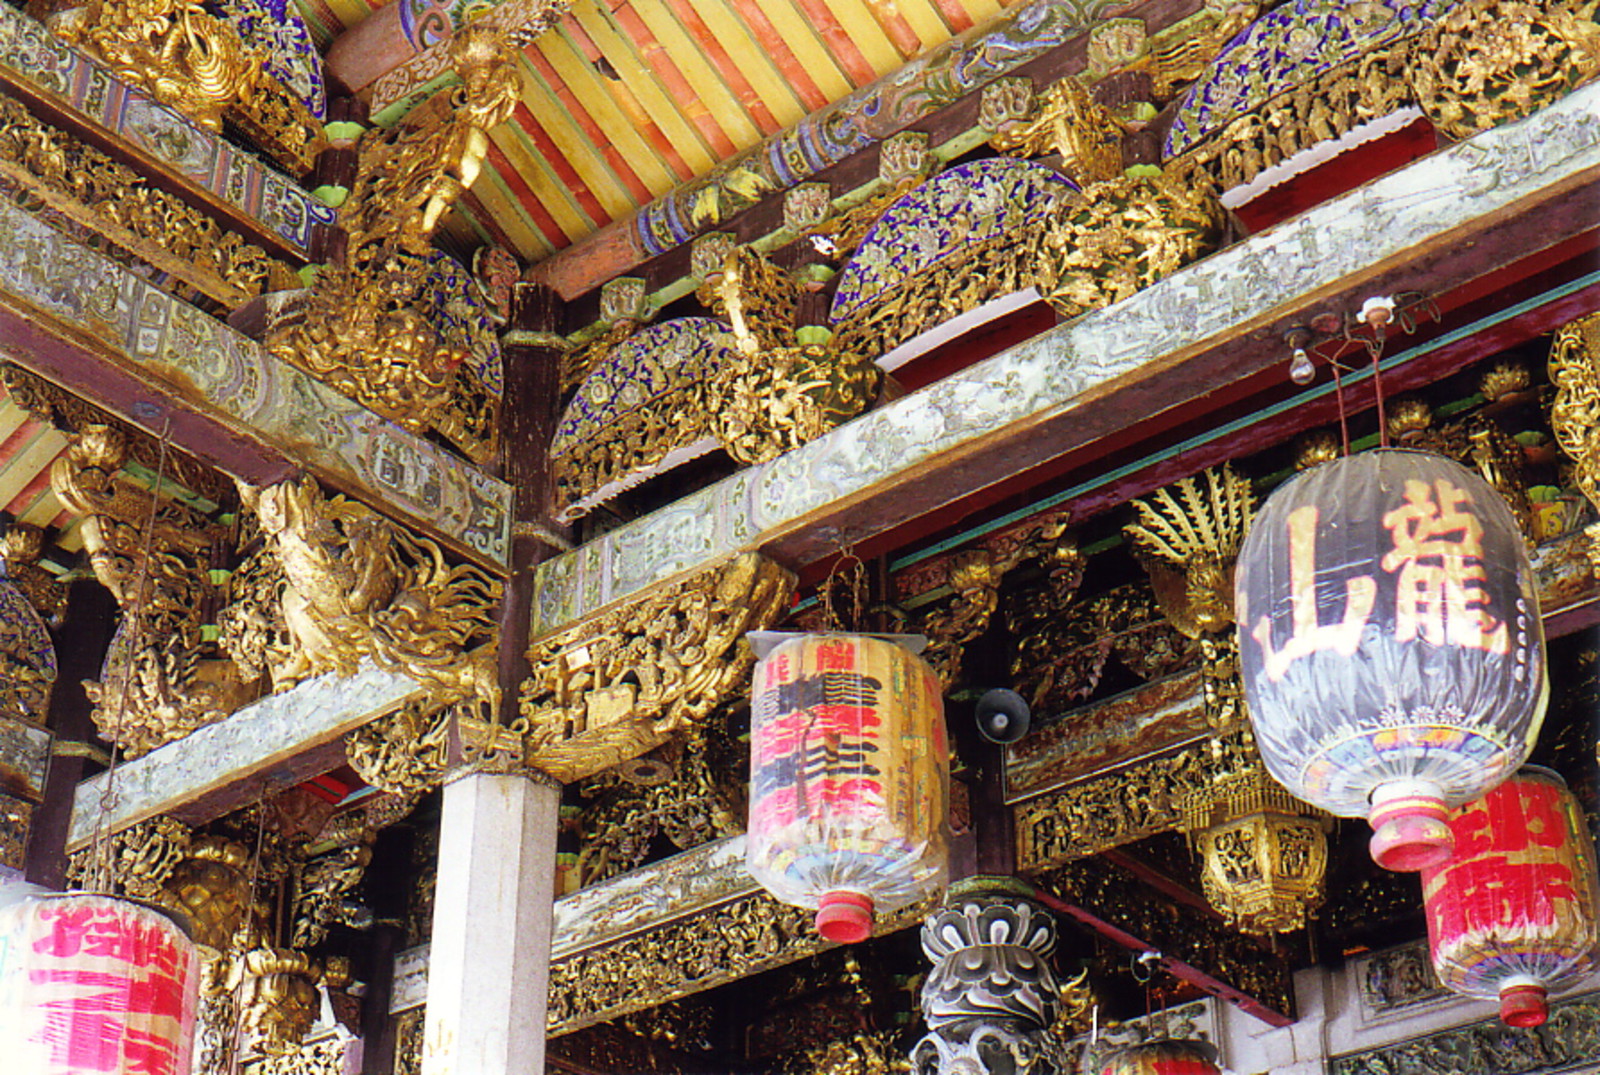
(1523, 1005)
(844, 917)
(1409, 831)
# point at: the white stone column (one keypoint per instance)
(489, 966)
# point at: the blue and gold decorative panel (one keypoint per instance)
(464, 322)
(643, 409)
(289, 55)
(951, 213)
(1287, 47)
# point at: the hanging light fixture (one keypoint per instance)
(1390, 644)
(91, 985)
(1263, 853)
(1513, 912)
(1163, 1056)
(849, 774)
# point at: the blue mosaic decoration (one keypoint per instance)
(966, 205)
(1286, 47)
(290, 55)
(27, 657)
(641, 372)
(463, 320)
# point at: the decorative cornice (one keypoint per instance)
(1568, 1042)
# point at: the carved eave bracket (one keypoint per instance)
(620, 682)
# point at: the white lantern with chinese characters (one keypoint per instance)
(91, 985)
(1390, 644)
(849, 774)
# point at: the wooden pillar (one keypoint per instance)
(91, 612)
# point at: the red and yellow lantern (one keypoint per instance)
(849, 774)
(1513, 912)
(1390, 644)
(91, 985)
(1164, 1056)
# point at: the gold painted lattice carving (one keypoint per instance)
(163, 677)
(621, 682)
(1575, 412)
(50, 166)
(194, 61)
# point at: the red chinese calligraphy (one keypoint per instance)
(1438, 551)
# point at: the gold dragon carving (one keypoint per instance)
(163, 677)
(351, 585)
(1066, 120)
(1188, 537)
(1575, 412)
(364, 328)
(90, 189)
(195, 62)
(623, 681)
(785, 390)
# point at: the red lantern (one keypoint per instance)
(1164, 1057)
(91, 985)
(849, 774)
(1513, 912)
(1390, 644)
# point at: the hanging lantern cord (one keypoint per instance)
(100, 846)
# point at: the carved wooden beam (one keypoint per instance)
(1440, 226)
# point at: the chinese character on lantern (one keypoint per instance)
(1390, 643)
(848, 779)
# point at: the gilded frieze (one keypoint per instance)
(673, 960)
(1575, 413)
(1141, 800)
(27, 653)
(325, 1057)
(43, 163)
(15, 815)
(621, 682)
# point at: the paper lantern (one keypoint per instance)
(1512, 912)
(1164, 1057)
(91, 985)
(1390, 644)
(849, 775)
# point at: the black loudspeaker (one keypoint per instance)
(1002, 715)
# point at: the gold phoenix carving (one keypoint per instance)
(112, 200)
(352, 585)
(1575, 412)
(194, 61)
(622, 681)
(364, 327)
(1188, 537)
(163, 678)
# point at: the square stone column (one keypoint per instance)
(489, 965)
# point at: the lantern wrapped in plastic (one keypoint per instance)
(849, 774)
(1513, 912)
(1163, 1056)
(91, 984)
(1390, 644)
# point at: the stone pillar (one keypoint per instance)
(489, 967)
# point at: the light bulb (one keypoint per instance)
(1301, 371)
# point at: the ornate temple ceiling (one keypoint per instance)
(626, 99)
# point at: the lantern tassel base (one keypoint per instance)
(844, 917)
(1409, 831)
(1523, 1005)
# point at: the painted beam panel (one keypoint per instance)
(1062, 390)
(81, 320)
(250, 743)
